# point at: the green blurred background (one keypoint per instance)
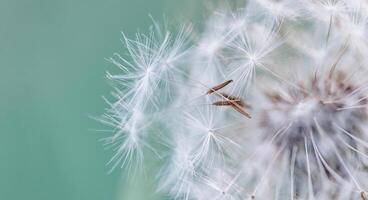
(52, 72)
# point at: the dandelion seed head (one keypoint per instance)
(312, 116)
(268, 101)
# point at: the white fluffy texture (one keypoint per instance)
(301, 69)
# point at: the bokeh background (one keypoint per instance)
(52, 72)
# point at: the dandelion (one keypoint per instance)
(268, 101)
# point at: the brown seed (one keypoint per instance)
(228, 96)
(363, 195)
(234, 105)
(275, 98)
(238, 108)
(236, 99)
(222, 103)
(219, 86)
(227, 103)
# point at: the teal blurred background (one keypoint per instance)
(52, 72)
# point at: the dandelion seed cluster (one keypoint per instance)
(268, 101)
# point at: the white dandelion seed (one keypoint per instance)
(249, 53)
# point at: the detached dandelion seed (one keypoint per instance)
(218, 87)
